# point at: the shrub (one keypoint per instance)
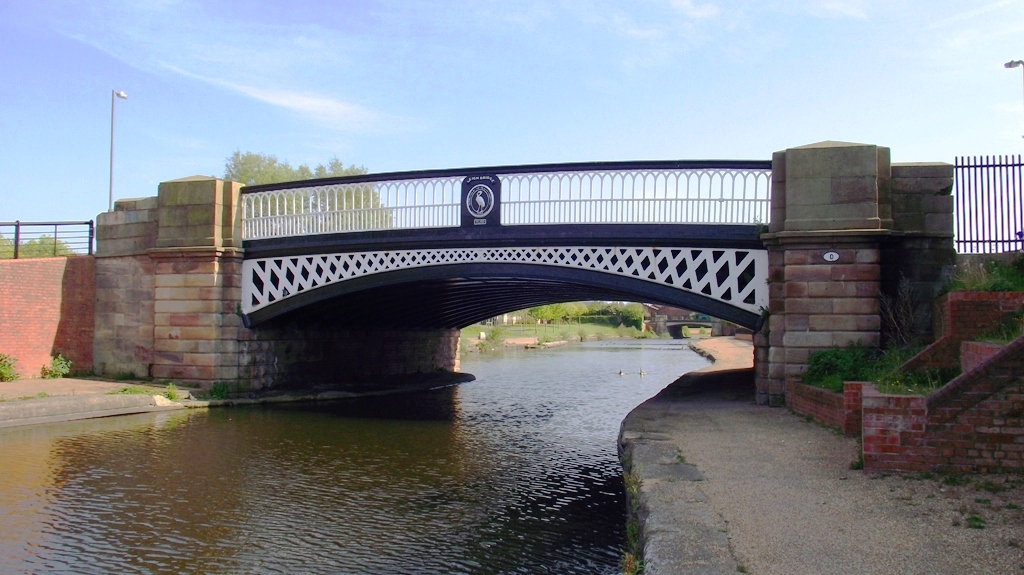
(172, 392)
(220, 390)
(829, 368)
(7, 372)
(58, 368)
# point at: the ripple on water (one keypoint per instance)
(513, 473)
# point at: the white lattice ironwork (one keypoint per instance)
(733, 276)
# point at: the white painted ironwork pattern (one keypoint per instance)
(359, 207)
(734, 276)
(586, 196)
(665, 196)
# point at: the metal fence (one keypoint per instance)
(988, 204)
(666, 192)
(45, 239)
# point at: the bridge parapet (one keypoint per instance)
(665, 192)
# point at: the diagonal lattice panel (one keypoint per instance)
(733, 276)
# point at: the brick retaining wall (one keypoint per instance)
(47, 307)
(974, 424)
(960, 316)
(839, 410)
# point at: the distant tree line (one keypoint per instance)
(252, 169)
(597, 312)
(41, 247)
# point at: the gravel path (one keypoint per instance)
(734, 487)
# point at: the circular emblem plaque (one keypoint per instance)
(480, 200)
(830, 256)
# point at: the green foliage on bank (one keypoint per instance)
(989, 276)
(1007, 330)
(829, 368)
(59, 367)
(7, 371)
(595, 312)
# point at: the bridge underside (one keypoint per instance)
(455, 296)
(451, 278)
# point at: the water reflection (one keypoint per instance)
(512, 473)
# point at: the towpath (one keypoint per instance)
(729, 486)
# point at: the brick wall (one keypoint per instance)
(960, 316)
(839, 410)
(47, 307)
(974, 424)
(974, 353)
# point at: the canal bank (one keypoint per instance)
(36, 400)
(727, 486)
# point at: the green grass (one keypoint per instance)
(829, 368)
(172, 392)
(990, 486)
(131, 390)
(955, 480)
(989, 276)
(220, 390)
(1009, 329)
(976, 522)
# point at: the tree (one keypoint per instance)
(253, 169)
(42, 247)
(357, 206)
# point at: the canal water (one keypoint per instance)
(515, 472)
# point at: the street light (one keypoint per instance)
(1015, 64)
(114, 95)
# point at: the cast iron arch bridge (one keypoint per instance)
(447, 248)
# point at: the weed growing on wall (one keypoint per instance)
(59, 367)
(7, 372)
(220, 390)
(632, 562)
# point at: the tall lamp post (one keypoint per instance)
(1015, 64)
(114, 95)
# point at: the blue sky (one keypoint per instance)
(404, 85)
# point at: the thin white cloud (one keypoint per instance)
(838, 9)
(695, 11)
(271, 63)
(324, 110)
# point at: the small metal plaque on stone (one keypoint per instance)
(830, 256)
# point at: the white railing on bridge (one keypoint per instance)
(638, 196)
(597, 193)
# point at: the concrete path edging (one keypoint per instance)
(73, 407)
(679, 531)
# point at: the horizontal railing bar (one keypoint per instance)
(20, 223)
(521, 169)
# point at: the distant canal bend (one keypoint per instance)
(515, 472)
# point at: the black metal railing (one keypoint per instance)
(988, 204)
(45, 239)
